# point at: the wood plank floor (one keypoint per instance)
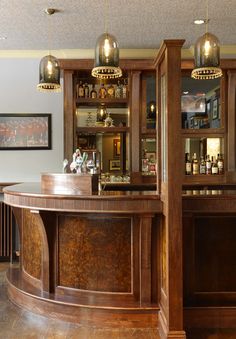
(16, 323)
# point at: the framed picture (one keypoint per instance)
(114, 165)
(215, 109)
(25, 131)
(116, 147)
(208, 108)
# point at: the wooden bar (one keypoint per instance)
(86, 258)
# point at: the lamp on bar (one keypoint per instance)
(207, 56)
(106, 56)
(49, 70)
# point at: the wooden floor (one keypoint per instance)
(17, 323)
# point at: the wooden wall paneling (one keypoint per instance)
(171, 318)
(18, 214)
(145, 259)
(69, 114)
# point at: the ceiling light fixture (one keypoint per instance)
(207, 55)
(199, 21)
(49, 70)
(106, 54)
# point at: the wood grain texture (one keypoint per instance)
(31, 245)
(95, 254)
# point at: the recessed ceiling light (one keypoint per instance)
(185, 92)
(3, 37)
(199, 21)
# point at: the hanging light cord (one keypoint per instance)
(207, 20)
(106, 15)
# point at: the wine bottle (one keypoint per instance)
(202, 168)
(208, 165)
(81, 90)
(220, 164)
(93, 93)
(214, 167)
(86, 90)
(195, 164)
(188, 165)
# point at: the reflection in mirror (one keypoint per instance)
(148, 156)
(200, 103)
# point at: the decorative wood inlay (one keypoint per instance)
(95, 254)
(31, 245)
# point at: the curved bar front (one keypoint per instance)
(89, 259)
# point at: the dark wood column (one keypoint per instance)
(168, 64)
(69, 114)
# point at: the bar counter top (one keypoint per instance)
(31, 195)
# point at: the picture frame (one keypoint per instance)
(208, 108)
(215, 109)
(25, 131)
(114, 165)
(116, 147)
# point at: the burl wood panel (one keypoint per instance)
(95, 254)
(31, 244)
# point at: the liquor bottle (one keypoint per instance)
(220, 164)
(202, 168)
(214, 167)
(102, 92)
(81, 90)
(208, 165)
(188, 165)
(93, 93)
(118, 92)
(86, 90)
(125, 90)
(110, 91)
(195, 164)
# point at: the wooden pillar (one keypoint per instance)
(168, 65)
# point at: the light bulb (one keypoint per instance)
(207, 47)
(49, 67)
(106, 48)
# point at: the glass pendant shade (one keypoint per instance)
(207, 58)
(49, 74)
(106, 58)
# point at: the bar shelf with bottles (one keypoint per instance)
(204, 160)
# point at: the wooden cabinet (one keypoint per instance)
(203, 120)
(122, 145)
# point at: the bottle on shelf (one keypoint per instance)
(110, 91)
(214, 167)
(93, 93)
(102, 92)
(195, 164)
(208, 164)
(80, 92)
(125, 90)
(118, 92)
(86, 90)
(220, 164)
(202, 167)
(188, 165)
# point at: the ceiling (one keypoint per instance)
(137, 24)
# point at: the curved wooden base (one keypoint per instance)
(27, 296)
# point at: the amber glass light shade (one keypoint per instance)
(207, 58)
(49, 75)
(106, 58)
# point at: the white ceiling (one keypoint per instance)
(137, 24)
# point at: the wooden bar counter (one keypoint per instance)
(90, 259)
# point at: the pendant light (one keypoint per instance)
(49, 70)
(106, 55)
(207, 55)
